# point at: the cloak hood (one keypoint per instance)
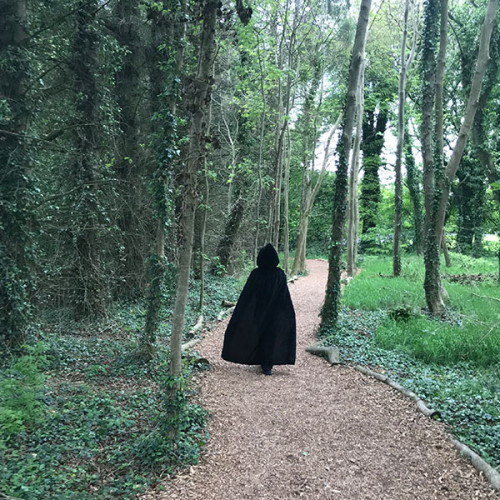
(268, 257)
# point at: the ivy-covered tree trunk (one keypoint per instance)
(231, 228)
(470, 198)
(15, 175)
(199, 105)
(164, 90)
(129, 164)
(432, 283)
(413, 184)
(374, 125)
(329, 312)
(87, 280)
(438, 199)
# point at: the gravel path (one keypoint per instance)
(316, 431)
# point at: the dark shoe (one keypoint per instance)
(267, 370)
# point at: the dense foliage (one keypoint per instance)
(81, 417)
(122, 119)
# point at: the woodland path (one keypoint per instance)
(316, 431)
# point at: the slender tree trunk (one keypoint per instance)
(415, 195)
(308, 148)
(15, 185)
(299, 262)
(202, 236)
(202, 91)
(329, 313)
(165, 142)
(439, 107)
(353, 219)
(398, 188)
(286, 229)
(432, 283)
(259, 165)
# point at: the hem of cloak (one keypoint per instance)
(258, 363)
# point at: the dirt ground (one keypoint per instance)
(316, 431)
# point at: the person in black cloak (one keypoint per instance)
(262, 329)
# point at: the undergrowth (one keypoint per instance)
(82, 418)
(453, 363)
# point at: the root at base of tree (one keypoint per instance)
(330, 353)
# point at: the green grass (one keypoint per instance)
(471, 331)
(453, 362)
(440, 342)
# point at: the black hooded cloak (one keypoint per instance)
(262, 328)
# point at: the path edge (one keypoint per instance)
(489, 472)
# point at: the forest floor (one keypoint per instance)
(316, 431)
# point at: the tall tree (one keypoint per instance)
(129, 164)
(15, 176)
(405, 63)
(88, 283)
(198, 106)
(329, 312)
(413, 184)
(168, 25)
(436, 199)
(353, 216)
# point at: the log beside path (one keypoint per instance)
(316, 430)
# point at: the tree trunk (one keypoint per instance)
(329, 313)
(299, 262)
(286, 229)
(128, 164)
(438, 213)
(415, 195)
(200, 104)
(228, 240)
(15, 186)
(432, 283)
(165, 143)
(259, 165)
(87, 281)
(353, 219)
(398, 185)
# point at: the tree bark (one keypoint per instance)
(15, 186)
(199, 106)
(398, 184)
(415, 194)
(165, 142)
(87, 281)
(432, 283)
(128, 164)
(329, 313)
(353, 219)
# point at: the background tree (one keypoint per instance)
(16, 189)
(329, 312)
